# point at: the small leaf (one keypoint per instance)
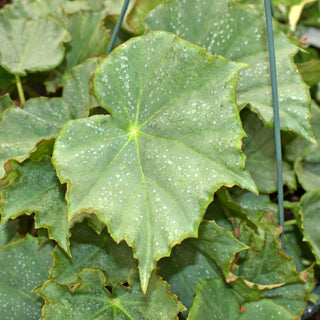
(23, 266)
(90, 300)
(90, 250)
(35, 45)
(310, 226)
(209, 256)
(37, 189)
(8, 232)
(259, 147)
(216, 27)
(150, 170)
(5, 102)
(77, 88)
(21, 129)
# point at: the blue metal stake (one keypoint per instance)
(276, 116)
(118, 25)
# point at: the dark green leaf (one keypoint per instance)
(90, 300)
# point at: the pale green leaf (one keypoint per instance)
(77, 88)
(90, 300)
(30, 9)
(209, 256)
(90, 250)
(31, 45)
(259, 147)
(89, 39)
(138, 13)
(37, 189)
(239, 33)
(76, 5)
(21, 129)
(23, 266)
(150, 170)
(310, 206)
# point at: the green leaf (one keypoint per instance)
(89, 38)
(310, 71)
(138, 13)
(5, 102)
(209, 256)
(90, 250)
(267, 266)
(77, 88)
(306, 156)
(215, 300)
(90, 300)
(23, 266)
(77, 5)
(37, 189)
(310, 205)
(29, 9)
(239, 33)
(8, 232)
(6, 78)
(35, 45)
(259, 148)
(293, 296)
(21, 129)
(150, 170)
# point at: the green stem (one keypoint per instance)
(20, 89)
(290, 222)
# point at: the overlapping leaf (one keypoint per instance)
(37, 189)
(90, 300)
(223, 27)
(151, 169)
(8, 232)
(77, 88)
(22, 129)
(31, 45)
(90, 250)
(209, 256)
(215, 300)
(89, 38)
(23, 266)
(259, 147)
(310, 205)
(306, 156)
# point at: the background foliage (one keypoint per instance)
(142, 185)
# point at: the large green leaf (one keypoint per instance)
(77, 88)
(260, 149)
(23, 266)
(31, 45)
(5, 102)
(150, 170)
(21, 129)
(90, 250)
(310, 205)
(37, 189)
(209, 256)
(90, 300)
(239, 33)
